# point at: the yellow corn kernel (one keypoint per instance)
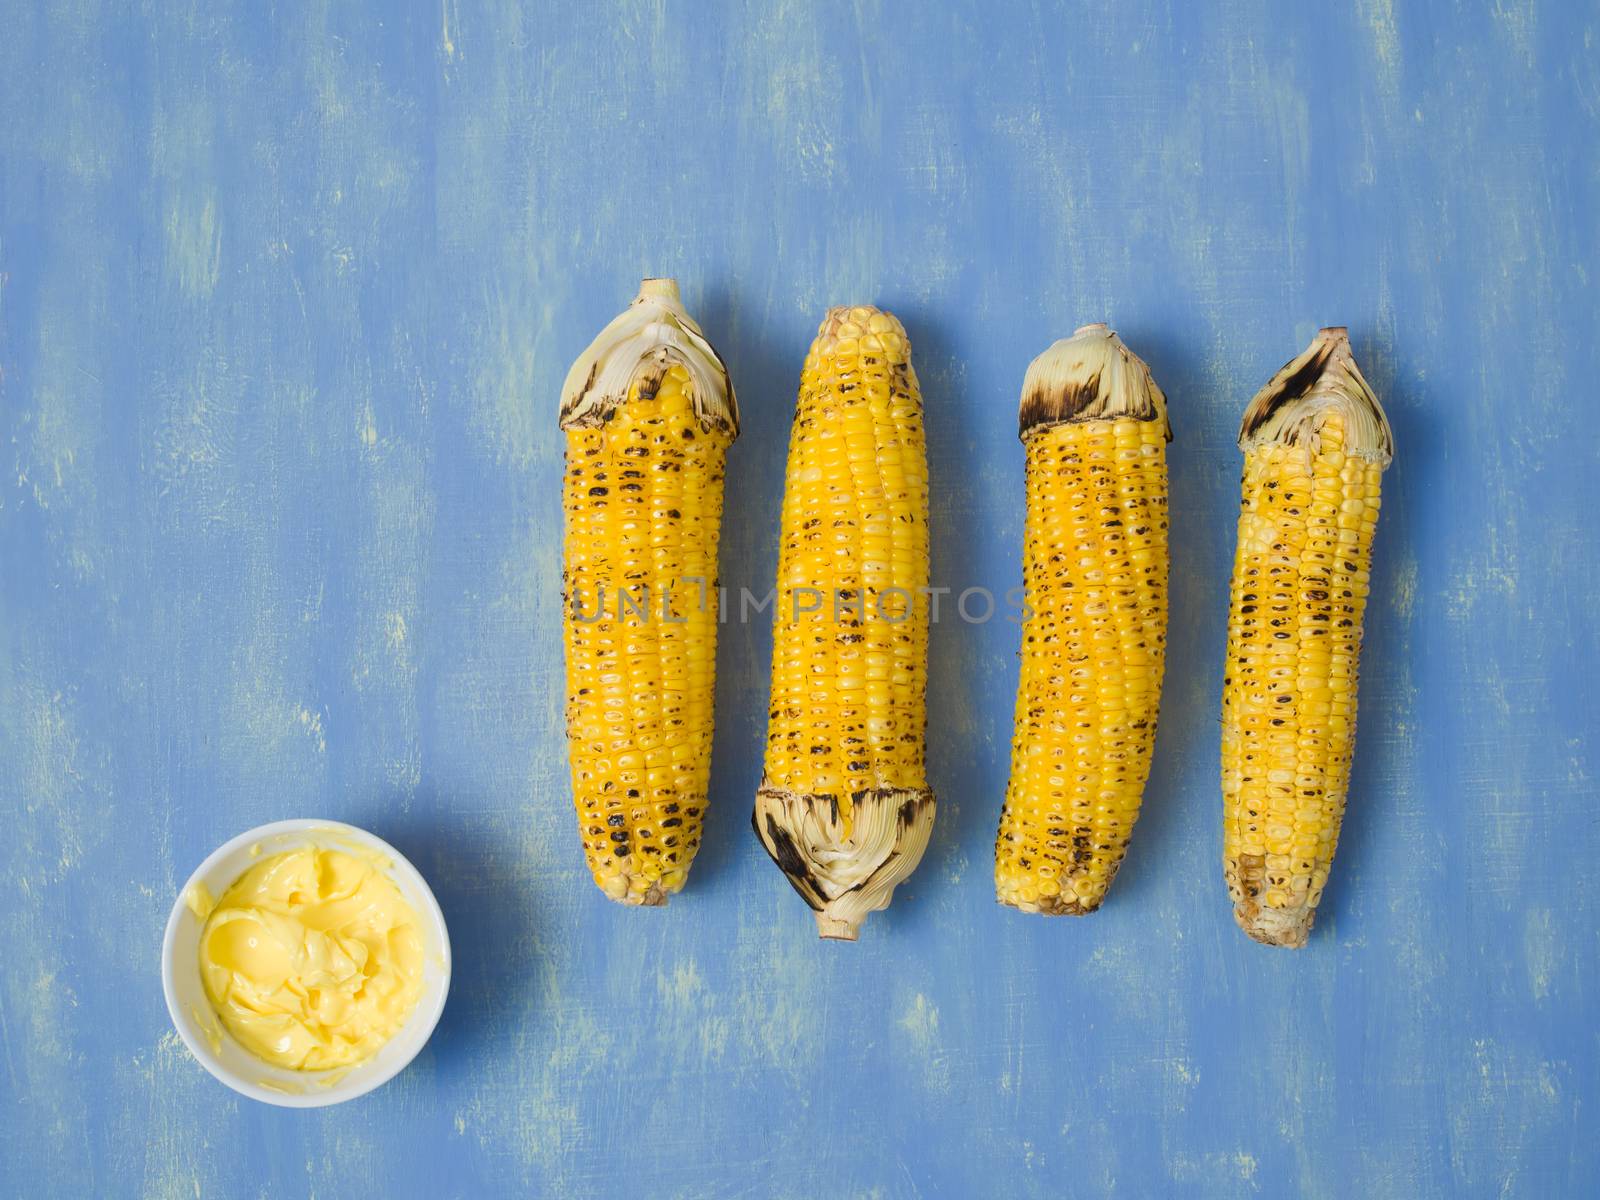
(1094, 639)
(844, 806)
(649, 414)
(1316, 442)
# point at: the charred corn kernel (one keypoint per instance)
(1315, 442)
(1094, 638)
(844, 806)
(649, 414)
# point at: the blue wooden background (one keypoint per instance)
(286, 298)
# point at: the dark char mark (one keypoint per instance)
(1295, 385)
(787, 855)
(1044, 407)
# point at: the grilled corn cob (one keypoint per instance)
(1094, 637)
(649, 413)
(844, 806)
(1315, 442)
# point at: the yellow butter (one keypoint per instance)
(199, 900)
(312, 959)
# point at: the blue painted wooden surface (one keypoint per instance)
(285, 302)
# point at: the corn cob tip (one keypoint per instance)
(1090, 376)
(1321, 380)
(619, 883)
(849, 322)
(845, 863)
(645, 341)
(1284, 927)
(1054, 906)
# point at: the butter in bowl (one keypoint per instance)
(305, 963)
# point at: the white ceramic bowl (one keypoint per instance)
(209, 1041)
